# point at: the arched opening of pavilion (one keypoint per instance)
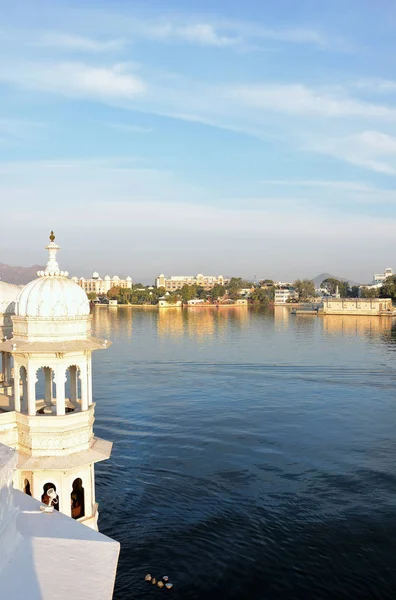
(45, 499)
(73, 388)
(77, 499)
(45, 390)
(24, 398)
(26, 487)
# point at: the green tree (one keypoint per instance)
(172, 298)
(388, 288)
(124, 296)
(262, 296)
(305, 289)
(331, 283)
(201, 293)
(266, 282)
(217, 291)
(235, 284)
(91, 295)
(113, 293)
(188, 292)
(353, 292)
(366, 292)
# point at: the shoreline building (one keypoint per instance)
(46, 405)
(378, 280)
(358, 306)
(284, 295)
(101, 286)
(175, 282)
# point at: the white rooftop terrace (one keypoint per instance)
(49, 556)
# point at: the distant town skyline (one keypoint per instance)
(233, 139)
(147, 280)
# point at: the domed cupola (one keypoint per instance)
(52, 305)
(52, 294)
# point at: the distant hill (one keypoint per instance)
(319, 278)
(18, 275)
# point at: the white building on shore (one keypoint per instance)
(47, 415)
(176, 282)
(284, 296)
(378, 280)
(101, 286)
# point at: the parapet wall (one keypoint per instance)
(9, 537)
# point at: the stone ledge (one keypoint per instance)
(100, 450)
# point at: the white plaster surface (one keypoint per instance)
(52, 296)
(57, 558)
(49, 556)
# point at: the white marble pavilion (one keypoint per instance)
(47, 409)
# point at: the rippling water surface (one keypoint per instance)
(254, 453)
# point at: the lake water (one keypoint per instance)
(254, 453)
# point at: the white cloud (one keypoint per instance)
(299, 99)
(203, 34)
(67, 41)
(127, 128)
(381, 86)
(353, 186)
(372, 150)
(22, 129)
(75, 79)
(378, 142)
(133, 207)
(208, 32)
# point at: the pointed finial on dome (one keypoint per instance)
(52, 269)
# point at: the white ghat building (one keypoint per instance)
(177, 281)
(101, 286)
(47, 416)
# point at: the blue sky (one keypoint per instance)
(253, 137)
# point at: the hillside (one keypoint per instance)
(319, 278)
(18, 275)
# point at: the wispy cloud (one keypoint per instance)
(75, 79)
(373, 150)
(127, 128)
(377, 85)
(71, 42)
(300, 99)
(353, 186)
(203, 34)
(215, 32)
(18, 128)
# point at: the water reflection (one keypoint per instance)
(200, 323)
(253, 452)
(170, 322)
(356, 326)
(282, 315)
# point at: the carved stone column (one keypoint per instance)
(60, 380)
(17, 388)
(31, 385)
(8, 367)
(73, 385)
(3, 366)
(48, 386)
(89, 376)
(84, 387)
